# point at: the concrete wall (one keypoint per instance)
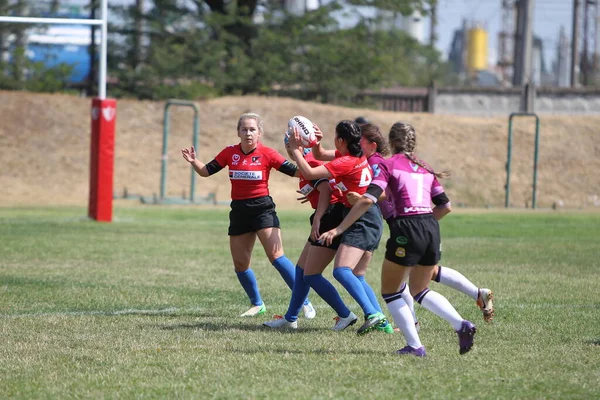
(503, 101)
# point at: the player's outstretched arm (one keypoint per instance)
(318, 151)
(189, 155)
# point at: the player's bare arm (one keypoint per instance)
(189, 155)
(318, 151)
(304, 167)
(324, 200)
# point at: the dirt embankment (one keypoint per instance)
(45, 141)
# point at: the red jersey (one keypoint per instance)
(351, 174)
(309, 188)
(249, 173)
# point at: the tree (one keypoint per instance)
(213, 47)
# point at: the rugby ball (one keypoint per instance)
(306, 130)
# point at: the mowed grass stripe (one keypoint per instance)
(148, 307)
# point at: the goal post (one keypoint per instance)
(103, 116)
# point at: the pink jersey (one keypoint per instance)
(386, 206)
(411, 187)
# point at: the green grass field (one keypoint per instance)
(147, 307)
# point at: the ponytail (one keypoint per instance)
(349, 131)
(403, 139)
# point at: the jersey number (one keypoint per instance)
(365, 177)
(419, 179)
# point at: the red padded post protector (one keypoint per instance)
(102, 151)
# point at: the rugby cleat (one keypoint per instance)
(466, 334)
(255, 310)
(385, 327)
(308, 310)
(484, 302)
(371, 323)
(420, 352)
(279, 322)
(343, 323)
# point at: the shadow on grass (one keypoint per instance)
(331, 352)
(171, 312)
(595, 342)
(238, 326)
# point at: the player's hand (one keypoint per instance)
(353, 197)
(327, 237)
(318, 133)
(295, 142)
(303, 199)
(189, 154)
(314, 230)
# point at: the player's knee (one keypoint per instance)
(339, 273)
(274, 255)
(240, 266)
(418, 294)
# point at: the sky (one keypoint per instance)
(548, 17)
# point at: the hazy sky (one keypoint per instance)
(548, 16)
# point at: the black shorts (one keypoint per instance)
(331, 219)
(252, 215)
(414, 240)
(366, 232)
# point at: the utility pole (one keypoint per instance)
(523, 42)
(597, 45)
(506, 39)
(588, 57)
(574, 44)
(585, 62)
(433, 26)
(139, 27)
(562, 59)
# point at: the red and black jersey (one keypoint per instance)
(351, 174)
(249, 173)
(309, 188)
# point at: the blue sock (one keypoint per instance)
(248, 281)
(351, 283)
(286, 269)
(370, 293)
(299, 294)
(328, 292)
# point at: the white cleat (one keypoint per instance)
(343, 323)
(254, 311)
(281, 323)
(309, 311)
(484, 301)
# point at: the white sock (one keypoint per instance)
(404, 320)
(440, 306)
(410, 302)
(456, 280)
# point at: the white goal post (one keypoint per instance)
(102, 22)
(103, 115)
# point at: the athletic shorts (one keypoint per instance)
(331, 219)
(366, 232)
(252, 215)
(414, 240)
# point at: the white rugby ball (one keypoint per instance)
(306, 130)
